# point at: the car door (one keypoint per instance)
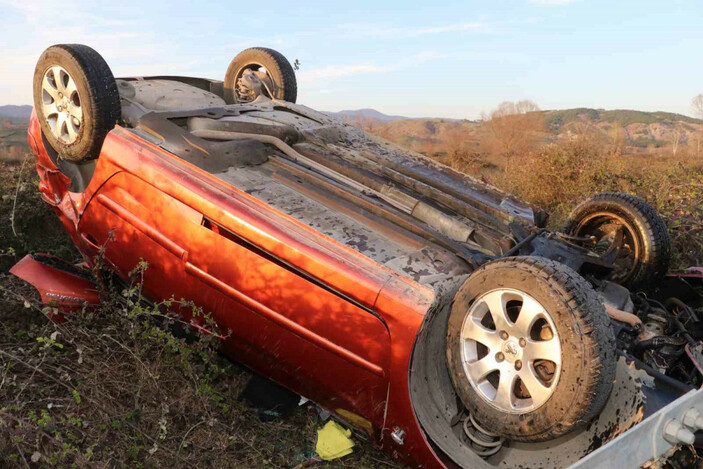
(284, 323)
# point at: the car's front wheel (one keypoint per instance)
(530, 349)
(76, 100)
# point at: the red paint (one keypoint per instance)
(346, 346)
(64, 290)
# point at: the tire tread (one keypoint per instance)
(656, 234)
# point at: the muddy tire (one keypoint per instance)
(530, 349)
(645, 255)
(76, 100)
(270, 65)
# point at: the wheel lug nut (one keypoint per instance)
(504, 335)
(518, 365)
(60, 95)
(500, 357)
(523, 342)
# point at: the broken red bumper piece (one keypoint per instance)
(60, 284)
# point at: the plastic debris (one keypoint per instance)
(333, 441)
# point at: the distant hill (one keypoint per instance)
(16, 113)
(556, 119)
(641, 130)
(366, 114)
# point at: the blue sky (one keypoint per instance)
(414, 58)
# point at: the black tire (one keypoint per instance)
(277, 67)
(648, 258)
(98, 99)
(586, 339)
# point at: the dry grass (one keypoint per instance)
(559, 172)
(557, 176)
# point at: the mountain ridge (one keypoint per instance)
(15, 112)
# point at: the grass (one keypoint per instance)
(114, 386)
(558, 176)
(13, 140)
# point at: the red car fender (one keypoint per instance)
(404, 304)
(66, 291)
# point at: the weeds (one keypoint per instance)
(559, 175)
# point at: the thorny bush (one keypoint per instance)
(558, 176)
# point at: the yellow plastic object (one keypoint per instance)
(333, 441)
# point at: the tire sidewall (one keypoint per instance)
(561, 407)
(648, 267)
(76, 150)
(253, 57)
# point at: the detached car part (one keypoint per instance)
(431, 311)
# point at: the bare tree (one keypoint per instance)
(366, 123)
(677, 135)
(515, 127)
(617, 139)
(697, 105)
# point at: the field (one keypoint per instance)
(116, 386)
(13, 140)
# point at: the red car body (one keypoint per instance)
(341, 334)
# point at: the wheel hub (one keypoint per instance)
(506, 336)
(511, 350)
(61, 104)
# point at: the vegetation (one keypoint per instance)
(594, 151)
(557, 176)
(13, 140)
(556, 119)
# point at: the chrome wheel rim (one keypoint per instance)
(510, 351)
(61, 104)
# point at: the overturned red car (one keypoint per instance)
(431, 311)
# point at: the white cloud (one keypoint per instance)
(332, 72)
(551, 2)
(387, 31)
(312, 75)
(128, 46)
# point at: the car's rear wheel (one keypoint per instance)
(628, 230)
(269, 66)
(76, 100)
(530, 349)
